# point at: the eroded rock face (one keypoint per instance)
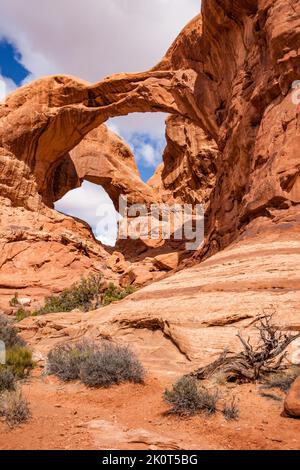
(44, 252)
(102, 158)
(188, 173)
(230, 73)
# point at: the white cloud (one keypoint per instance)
(149, 155)
(93, 205)
(149, 123)
(6, 87)
(93, 38)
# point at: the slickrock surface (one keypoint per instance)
(188, 318)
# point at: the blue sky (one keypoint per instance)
(92, 39)
(10, 66)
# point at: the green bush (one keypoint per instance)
(14, 408)
(65, 360)
(83, 295)
(22, 313)
(112, 364)
(114, 293)
(9, 334)
(14, 302)
(187, 399)
(19, 361)
(7, 379)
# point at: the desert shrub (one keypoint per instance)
(65, 360)
(19, 361)
(231, 410)
(187, 399)
(96, 365)
(9, 334)
(84, 295)
(220, 378)
(21, 313)
(14, 302)
(270, 396)
(14, 408)
(111, 364)
(114, 293)
(7, 379)
(282, 380)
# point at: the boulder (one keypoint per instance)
(168, 261)
(137, 275)
(117, 263)
(292, 401)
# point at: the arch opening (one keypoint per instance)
(91, 204)
(145, 134)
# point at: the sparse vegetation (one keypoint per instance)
(187, 399)
(114, 293)
(88, 294)
(19, 361)
(21, 313)
(282, 380)
(231, 410)
(220, 379)
(65, 360)
(9, 334)
(270, 396)
(7, 380)
(14, 408)
(84, 295)
(14, 302)
(111, 364)
(96, 365)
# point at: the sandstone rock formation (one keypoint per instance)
(188, 318)
(102, 158)
(40, 247)
(292, 401)
(230, 73)
(189, 169)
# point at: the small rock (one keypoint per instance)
(168, 261)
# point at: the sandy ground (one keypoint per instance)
(70, 416)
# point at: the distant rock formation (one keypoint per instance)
(233, 140)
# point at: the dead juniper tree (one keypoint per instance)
(252, 363)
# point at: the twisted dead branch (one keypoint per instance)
(252, 363)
